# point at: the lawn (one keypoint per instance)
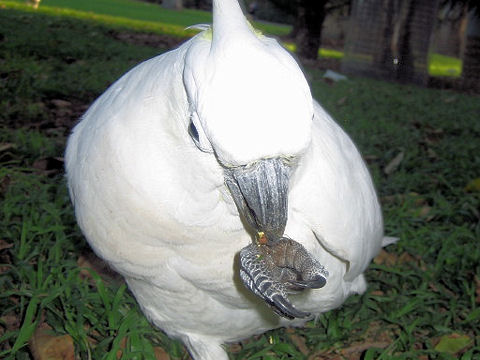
(421, 145)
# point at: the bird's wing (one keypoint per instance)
(333, 192)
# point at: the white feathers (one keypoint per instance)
(155, 206)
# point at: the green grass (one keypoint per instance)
(138, 10)
(427, 290)
(113, 21)
(42, 62)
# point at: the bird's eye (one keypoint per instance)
(197, 135)
(192, 130)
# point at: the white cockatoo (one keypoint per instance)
(211, 165)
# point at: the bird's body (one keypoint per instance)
(153, 203)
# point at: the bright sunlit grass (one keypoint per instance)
(166, 28)
(322, 52)
(138, 10)
(330, 53)
(441, 65)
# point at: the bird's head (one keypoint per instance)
(250, 106)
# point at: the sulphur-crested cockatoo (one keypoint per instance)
(185, 167)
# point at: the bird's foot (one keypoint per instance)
(277, 268)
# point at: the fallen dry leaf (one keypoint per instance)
(300, 343)
(123, 344)
(45, 345)
(390, 259)
(342, 101)
(59, 103)
(6, 146)
(433, 286)
(326, 355)
(11, 322)
(5, 245)
(359, 348)
(160, 354)
(378, 332)
(424, 211)
(89, 261)
(453, 343)
(234, 348)
(405, 257)
(49, 165)
(473, 185)
(394, 163)
(385, 258)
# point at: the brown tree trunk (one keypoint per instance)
(296, 26)
(471, 55)
(310, 16)
(405, 68)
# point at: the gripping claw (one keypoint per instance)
(283, 307)
(316, 283)
(272, 271)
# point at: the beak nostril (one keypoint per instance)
(260, 192)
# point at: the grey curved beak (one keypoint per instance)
(260, 191)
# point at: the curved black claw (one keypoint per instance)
(272, 271)
(259, 274)
(284, 308)
(317, 283)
